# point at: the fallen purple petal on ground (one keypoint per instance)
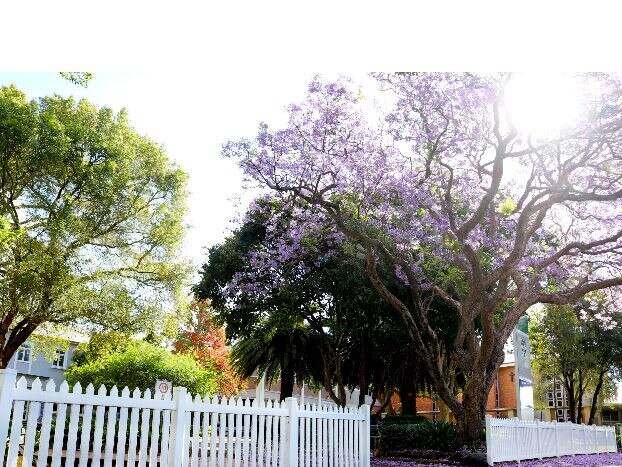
(592, 460)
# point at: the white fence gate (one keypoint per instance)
(53, 428)
(516, 440)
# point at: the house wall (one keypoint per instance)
(506, 389)
(39, 367)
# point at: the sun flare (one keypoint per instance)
(542, 105)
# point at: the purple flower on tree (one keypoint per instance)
(463, 204)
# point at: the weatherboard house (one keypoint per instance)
(32, 363)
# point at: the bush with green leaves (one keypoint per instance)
(139, 365)
(403, 419)
(396, 437)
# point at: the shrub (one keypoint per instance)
(438, 436)
(139, 366)
(403, 419)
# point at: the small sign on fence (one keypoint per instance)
(163, 389)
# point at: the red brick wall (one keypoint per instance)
(507, 388)
(507, 397)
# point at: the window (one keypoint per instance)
(59, 360)
(23, 354)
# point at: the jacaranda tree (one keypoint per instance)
(319, 307)
(437, 181)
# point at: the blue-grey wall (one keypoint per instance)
(41, 368)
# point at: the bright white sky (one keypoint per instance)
(192, 115)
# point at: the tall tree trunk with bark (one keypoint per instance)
(570, 392)
(362, 372)
(580, 391)
(287, 381)
(594, 406)
(408, 395)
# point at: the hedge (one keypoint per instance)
(429, 435)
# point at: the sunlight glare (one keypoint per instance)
(542, 105)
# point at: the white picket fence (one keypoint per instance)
(516, 440)
(45, 427)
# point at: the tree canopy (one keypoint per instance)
(320, 322)
(434, 179)
(91, 219)
(572, 345)
(205, 340)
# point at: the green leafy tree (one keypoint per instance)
(355, 334)
(81, 78)
(91, 219)
(139, 365)
(570, 343)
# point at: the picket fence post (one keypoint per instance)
(585, 449)
(367, 438)
(489, 439)
(7, 389)
(291, 447)
(516, 444)
(538, 436)
(556, 426)
(178, 428)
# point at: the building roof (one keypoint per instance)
(71, 335)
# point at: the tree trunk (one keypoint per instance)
(471, 421)
(443, 411)
(572, 405)
(408, 396)
(599, 385)
(18, 335)
(580, 398)
(362, 376)
(385, 404)
(287, 382)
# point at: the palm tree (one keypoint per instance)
(291, 352)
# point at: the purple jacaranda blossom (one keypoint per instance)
(433, 167)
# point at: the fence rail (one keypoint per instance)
(42, 426)
(516, 440)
